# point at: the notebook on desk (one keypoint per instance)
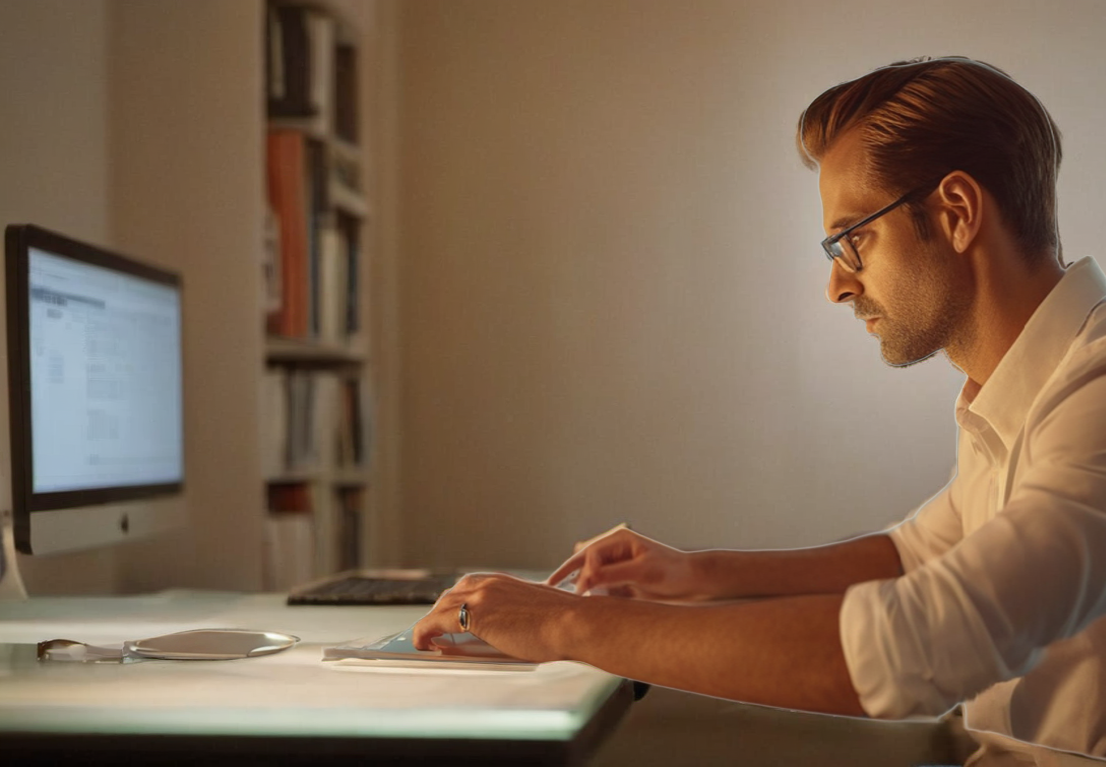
(467, 652)
(375, 587)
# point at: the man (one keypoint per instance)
(938, 186)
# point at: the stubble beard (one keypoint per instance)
(909, 343)
(932, 317)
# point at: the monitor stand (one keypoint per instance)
(11, 585)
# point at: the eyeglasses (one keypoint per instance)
(840, 246)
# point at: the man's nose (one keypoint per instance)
(843, 285)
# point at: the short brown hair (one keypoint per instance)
(927, 117)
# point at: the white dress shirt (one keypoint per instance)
(1003, 600)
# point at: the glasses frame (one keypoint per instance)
(833, 245)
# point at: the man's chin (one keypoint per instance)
(897, 358)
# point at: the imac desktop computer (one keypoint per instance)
(94, 426)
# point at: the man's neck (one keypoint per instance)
(1005, 300)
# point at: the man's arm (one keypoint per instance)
(784, 651)
(630, 564)
(780, 652)
(828, 569)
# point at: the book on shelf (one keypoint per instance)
(288, 196)
(270, 263)
(321, 40)
(288, 422)
(344, 181)
(289, 551)
(312, 419)
(333, 273)
(354, 435)
(315, 421)
(311, 70)
(287, 61)
(274, 423)
(315, 187)
(338, 284)
(290, 536)
(346, 123)
(364, 424)
(301, 59)
(348, 305)
(317, 200)
(350, 503)
(317, 250)
(290, 498)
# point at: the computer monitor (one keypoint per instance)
(95, 394)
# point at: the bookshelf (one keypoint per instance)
(317, 393)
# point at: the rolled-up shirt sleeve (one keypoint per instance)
(985, 610)
(931, 530)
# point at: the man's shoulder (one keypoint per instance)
(1088, 349)
(1084, 362)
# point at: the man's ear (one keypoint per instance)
(961, 213)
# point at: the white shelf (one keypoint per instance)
(299, 350)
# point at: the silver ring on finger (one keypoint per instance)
(463, 617)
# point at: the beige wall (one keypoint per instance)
(612, 293)
(56, 166)
(610, 302)
(187, 190)
(136, 125)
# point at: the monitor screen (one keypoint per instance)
(95, 392)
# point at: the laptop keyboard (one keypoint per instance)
(374, 590)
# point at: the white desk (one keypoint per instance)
(285, 708)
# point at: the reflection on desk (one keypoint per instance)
(289, 707)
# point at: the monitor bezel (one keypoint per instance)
(19, 240)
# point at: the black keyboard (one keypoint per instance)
(374, 590)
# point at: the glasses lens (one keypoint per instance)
(849, 258)
(844, 253)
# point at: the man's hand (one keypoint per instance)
(519, 618)
(629, 564)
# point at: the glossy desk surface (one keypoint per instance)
(287, 707)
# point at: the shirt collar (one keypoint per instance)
(1004, 400)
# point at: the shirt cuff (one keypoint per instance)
(900, 537)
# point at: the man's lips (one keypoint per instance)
(870, 322)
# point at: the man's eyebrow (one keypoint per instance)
(843, 223)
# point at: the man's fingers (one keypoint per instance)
(580, 545)
(588, 553)
(436, 624)
(609, 576)
(572, 564)
(424, 632)
(444, 617)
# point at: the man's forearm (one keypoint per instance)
(778, 652)
(830, 569)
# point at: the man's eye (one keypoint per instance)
(854, 239)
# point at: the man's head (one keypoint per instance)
(974, 155)
(921, 119)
